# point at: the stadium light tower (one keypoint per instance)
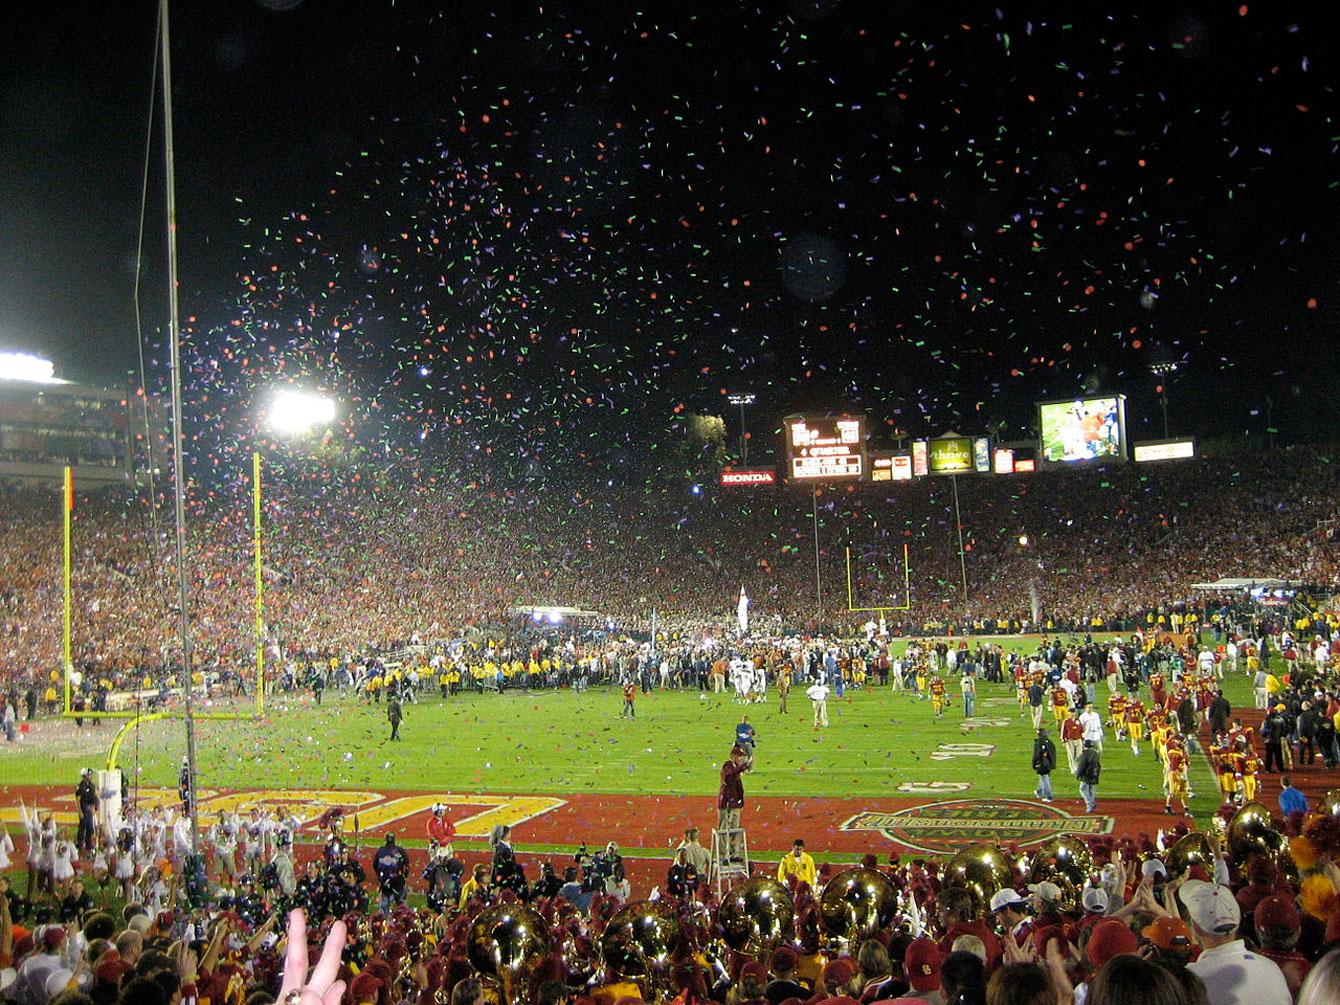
(1163, 372)
(743, 398)
(293, 412)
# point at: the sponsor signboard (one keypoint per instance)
(1174, 450)
(753, 476)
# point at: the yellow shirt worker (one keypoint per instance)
(799, 864)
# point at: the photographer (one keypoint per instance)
(392, 867)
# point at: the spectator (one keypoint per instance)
(1232, 974)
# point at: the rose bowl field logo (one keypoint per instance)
(944, 828)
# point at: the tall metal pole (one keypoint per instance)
(742, 399)
(818, 578)
(67, 504)
(958, 523)
(744, 439)
(178, 436)
(260, 580)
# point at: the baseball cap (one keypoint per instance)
(840, 971)
(1153, 867)
(110, 967)
(1169, 933)
(1006, 898)
(365, 987)
(1277, 911)
(1095, 900)
(1047, 890)
(1212, 907)
(756, 971)
(922, 965)
(1107, 939)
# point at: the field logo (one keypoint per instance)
(946, 827)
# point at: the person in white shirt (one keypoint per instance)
(818, 695)
(1231, 656)
(1092, 724)
(1321, 653)
(1232, 974)
(967, 686)
(1206, 661)
(46, 959)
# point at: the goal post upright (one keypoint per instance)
(907, 587)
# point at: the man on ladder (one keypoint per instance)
(730, 800)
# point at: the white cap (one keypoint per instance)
(1095, 900)
(1153, 867)
(1213, 908)
(1006, 898)
(1046, 890)
(7, 978)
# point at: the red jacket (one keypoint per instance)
(731, 796)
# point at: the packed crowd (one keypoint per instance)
(352, 565)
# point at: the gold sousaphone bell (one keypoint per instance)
(1191, 850)
(756, 915)
(1252, 832)
(981, 869)
(1066, 861)
(858, 902)
(640, 940)
(505, 943)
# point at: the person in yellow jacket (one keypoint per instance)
(799, 864)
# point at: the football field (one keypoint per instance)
(567, 768)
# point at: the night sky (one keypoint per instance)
(562, 223)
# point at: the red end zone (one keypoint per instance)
(650, 826)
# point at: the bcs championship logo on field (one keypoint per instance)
(946, 827)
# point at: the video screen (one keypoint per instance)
(1085, 429)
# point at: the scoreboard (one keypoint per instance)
(825, 448)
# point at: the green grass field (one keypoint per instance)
(559, 742)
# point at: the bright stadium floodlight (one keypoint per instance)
(26, 367)
(294, 412)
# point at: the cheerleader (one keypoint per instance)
(181, 840)
(223, 838)
(46, 855)
(33, 830)
(6, 849)
(64, 855)
(154, 891)
(101, 868)
(286, 826)
(152, 845)
(125, 861)
(256, 830)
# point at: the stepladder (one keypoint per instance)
(730, 858)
